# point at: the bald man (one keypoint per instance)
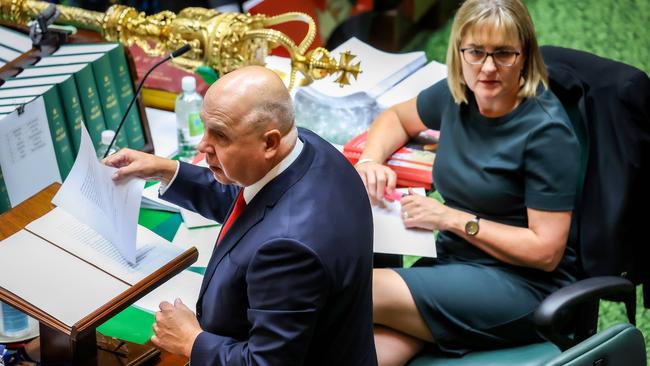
(289, 280)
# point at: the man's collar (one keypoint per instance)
(253, 189)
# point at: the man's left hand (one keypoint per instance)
(176, 328)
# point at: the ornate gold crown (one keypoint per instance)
(223, 41)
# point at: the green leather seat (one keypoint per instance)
(621, 344)
(529, 355)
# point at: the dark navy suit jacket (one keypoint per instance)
(290, 283)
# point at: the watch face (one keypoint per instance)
(471, 227)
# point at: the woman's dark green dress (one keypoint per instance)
(494, 168)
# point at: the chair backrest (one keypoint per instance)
(609, 103)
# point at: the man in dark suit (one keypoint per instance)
(289, 281)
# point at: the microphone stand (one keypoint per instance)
(176, 53)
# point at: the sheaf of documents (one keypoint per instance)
(91, 196)
(392, 237)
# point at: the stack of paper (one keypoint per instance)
(413, 84)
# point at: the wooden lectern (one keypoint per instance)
(80, 344)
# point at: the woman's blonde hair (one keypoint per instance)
(509, 16)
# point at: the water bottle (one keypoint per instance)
(188, 121)
(13, 323)
(107, 137)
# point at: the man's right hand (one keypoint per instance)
(132, 163)
(377, 178)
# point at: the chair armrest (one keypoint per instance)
(549, 314)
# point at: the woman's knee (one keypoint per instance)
(390, 293)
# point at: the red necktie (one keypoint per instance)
(240, 205)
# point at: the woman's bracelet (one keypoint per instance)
(364, 160)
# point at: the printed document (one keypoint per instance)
(27, 155)
(90, 195)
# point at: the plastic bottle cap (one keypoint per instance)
(188, 83)
(107, 136)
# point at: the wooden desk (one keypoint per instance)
(35, 207)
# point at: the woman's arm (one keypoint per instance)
(391, 130)
(540, 245)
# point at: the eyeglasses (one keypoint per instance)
(475, 56)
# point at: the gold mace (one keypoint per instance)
(223, 41)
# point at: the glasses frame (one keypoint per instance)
(488, 54)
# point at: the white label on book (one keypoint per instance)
(110, 208)
(27, 155)
(52, 280)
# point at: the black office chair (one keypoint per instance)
(609, 104)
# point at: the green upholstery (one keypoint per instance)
(530, 355)
(621, 344)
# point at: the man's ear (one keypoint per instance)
(272, 139)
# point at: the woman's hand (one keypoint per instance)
(423, 212)
(376, 178)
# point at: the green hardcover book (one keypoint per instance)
(109, 97)
(124, 87)
(73, 113)
(86, 87)
(58, 131)
(69, 100)
(90, 103)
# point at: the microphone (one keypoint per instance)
(172, 55)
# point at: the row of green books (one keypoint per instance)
(80, 83)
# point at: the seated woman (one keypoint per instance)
(507, 167)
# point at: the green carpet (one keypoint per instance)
(615, 29)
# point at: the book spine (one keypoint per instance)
(108, 97)
(4, 195)
(72, 108)
(124, 87)
(58, 131)
(90, 104)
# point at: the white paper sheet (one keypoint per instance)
(90, 195)
(163, 132)
(151, 200)
(27, 155)
(68, 233)
(390, 235)
(52, 280)
(193, 220)
(185, 286)
(201, 238)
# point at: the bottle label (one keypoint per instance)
(194, 124)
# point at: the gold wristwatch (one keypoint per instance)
(472, 227)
